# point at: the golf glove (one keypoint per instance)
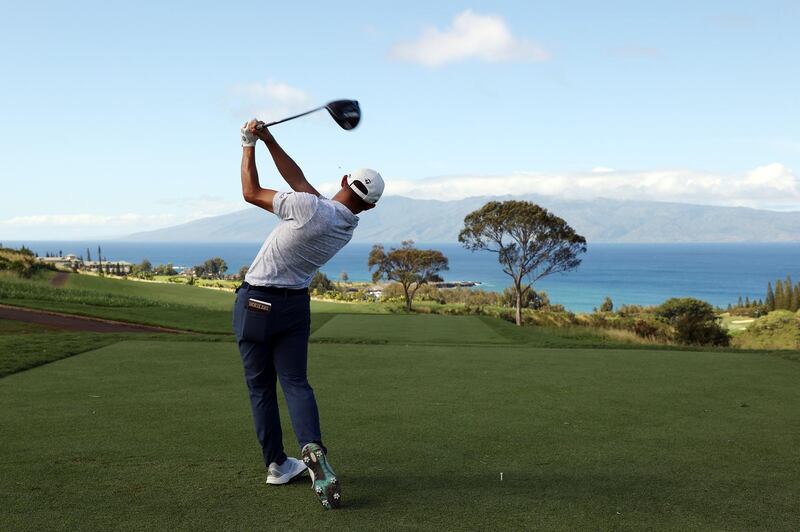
(248, 139)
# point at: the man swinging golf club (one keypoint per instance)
(271, 316)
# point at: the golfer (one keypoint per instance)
(271, 317)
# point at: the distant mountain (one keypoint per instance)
(599, 220)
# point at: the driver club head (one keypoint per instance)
(347, 113)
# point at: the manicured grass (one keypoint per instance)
(157, 435)
(409, 328)
(422, 414)
(27, 349)
(343, 307)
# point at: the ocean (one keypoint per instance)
(645, 274)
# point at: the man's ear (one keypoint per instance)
(344, 181)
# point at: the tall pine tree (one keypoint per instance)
(780, 296)
(795, 298)
(769, 301)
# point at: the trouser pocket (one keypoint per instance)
(254, 317)
(257, 318)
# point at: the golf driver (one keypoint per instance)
(347, 114)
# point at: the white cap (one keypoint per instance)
(372, 181)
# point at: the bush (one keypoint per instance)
(694, 322)
(20, 261)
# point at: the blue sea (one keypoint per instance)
(643, 274)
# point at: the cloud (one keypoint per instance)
(268, 101)
(773, 186)
(471, 36)
(85, 225)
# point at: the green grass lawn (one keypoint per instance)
(422, 414)
(382, 329)
(157, 435)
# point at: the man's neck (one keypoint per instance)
(345, 199)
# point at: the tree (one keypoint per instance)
(694, 321)
(344, 277)
(530, 242)
(165, 269)
(99, 261)
(607, 306)
(143, 270)
(780, 297)
(795, 298)
(214, 268)
(88, 255)
(243, 271)
(532, 299)
(769, 301)
(320, 283)
(409, 266)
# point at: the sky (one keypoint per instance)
(123, 116)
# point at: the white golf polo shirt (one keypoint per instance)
(311, 230)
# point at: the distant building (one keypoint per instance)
(93, 265)
(68, 262)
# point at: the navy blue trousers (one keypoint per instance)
(273, 344)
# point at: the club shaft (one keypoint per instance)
(291, 118)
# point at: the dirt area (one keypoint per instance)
(69, 322)
(59, 279)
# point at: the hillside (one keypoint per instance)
(600, 220)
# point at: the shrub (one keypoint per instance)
(694, 322)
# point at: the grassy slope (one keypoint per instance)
(169, 305)
(156, 435)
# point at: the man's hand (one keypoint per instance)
(249, 138)
(253, 129)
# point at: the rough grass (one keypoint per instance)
(779, 329)
(169, 305)
(157, 435)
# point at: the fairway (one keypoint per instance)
(157, 435)
(408, 329)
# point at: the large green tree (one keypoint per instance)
(530, 242)
(407, 265)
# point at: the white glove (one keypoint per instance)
(248, 139)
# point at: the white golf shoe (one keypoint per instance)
(281, 474)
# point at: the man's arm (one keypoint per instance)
(288, 169)
(251, 189)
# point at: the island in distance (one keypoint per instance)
(599, 220)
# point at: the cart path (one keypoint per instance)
(71, 322)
